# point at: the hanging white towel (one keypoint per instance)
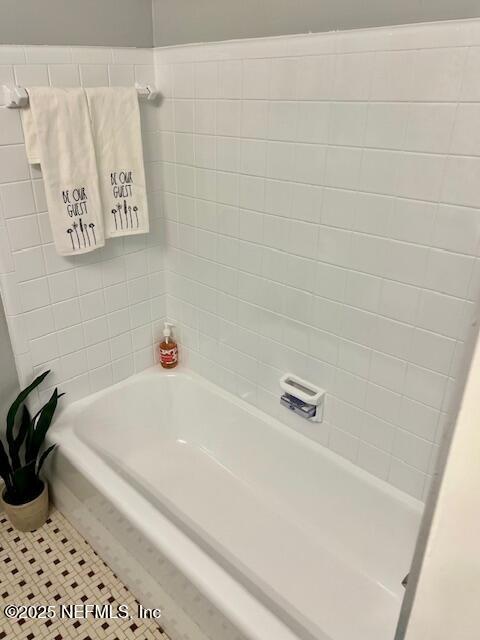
(58, 134)
(30, 134)
(117, 136)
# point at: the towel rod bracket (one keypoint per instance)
(14, 97)
(147, 91)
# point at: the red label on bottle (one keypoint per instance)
(169, 356)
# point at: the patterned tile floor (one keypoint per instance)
(56, 566)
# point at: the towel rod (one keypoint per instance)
(17, 97)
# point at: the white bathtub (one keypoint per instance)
(234, 524)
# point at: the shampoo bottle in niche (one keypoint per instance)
(168, 348)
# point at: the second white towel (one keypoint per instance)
(115, 118)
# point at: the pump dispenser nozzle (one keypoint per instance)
(167, 329)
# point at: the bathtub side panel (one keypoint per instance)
(144, 569)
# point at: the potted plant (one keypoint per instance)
(25, 496)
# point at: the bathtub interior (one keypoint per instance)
(294, 522)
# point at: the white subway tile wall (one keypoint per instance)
(92, 319)
(314, 208)
(321, 199)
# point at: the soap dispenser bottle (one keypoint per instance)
(168, 348)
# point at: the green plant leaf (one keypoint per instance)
(26, 485)
(43, 457)
(18, 441)
(5, 467)
(23, 477)
(43, 424)
(30, 431)
(20, 399)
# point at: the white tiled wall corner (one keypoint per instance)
(93, 319)
(313, 207)
(322, 217)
